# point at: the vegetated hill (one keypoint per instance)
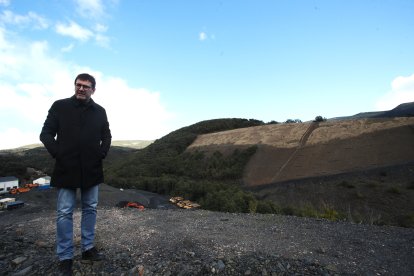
(296, 151)
(162, 164)
(15, 162)
(133, 144)
(360, 170)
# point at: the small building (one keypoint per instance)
(7, 183)
(42, 181)
(5, 201)
(15, 204)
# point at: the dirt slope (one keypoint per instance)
(296, 151)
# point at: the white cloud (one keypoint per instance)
(32, 20)
(133, 112)
(102, 40)
(202, 36)
(74, 30)
(13, 137)
(68, 48)
(31, 79)
(402, 91)
(4, 2)
(90, 8)
(100, 28)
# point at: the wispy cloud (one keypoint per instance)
(74, 30)
(202, 36)
(4, 2)
(67, 48)
(402, 91)
(102, 40)
(32, 20)
(100, 28)
(90, 8)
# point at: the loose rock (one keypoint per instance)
(182, 242)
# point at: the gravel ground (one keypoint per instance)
(197, 242)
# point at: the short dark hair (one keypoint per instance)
(86, 77)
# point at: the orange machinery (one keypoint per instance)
(19, 190)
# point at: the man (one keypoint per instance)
(82, 141)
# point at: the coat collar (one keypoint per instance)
(77, 103)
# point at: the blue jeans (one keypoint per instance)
(66, 202)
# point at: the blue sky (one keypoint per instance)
(163, 65)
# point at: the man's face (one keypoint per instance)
(83, 90)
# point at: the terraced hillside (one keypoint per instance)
(296, 151)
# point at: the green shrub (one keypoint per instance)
(346, 184)
(359, 195)
(394, 190)
(309, 211)
(267, 207)
(406, 220)
(229, 199)
(319, 119)
(372, 185)
(288, 210)
(332, 214)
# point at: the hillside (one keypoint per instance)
(358, 170)
(296, 151)
(133, 144)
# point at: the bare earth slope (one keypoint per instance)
(297, 151)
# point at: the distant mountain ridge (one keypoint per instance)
(402, 110)
(133, 144)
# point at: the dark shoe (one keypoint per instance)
(91, 255)
(65, 267)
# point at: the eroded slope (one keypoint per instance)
(295, 151)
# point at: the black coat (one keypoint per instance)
(82, 140)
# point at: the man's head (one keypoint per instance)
(84, 87)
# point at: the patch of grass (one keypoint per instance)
(406, 220)
(346, 184)
(359, 195)
(394, 190)
(309, 211)
(410, 185)
(367, 216)
(372, 185)
(383, 173)
(330, 213)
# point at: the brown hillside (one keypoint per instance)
(296, 151)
